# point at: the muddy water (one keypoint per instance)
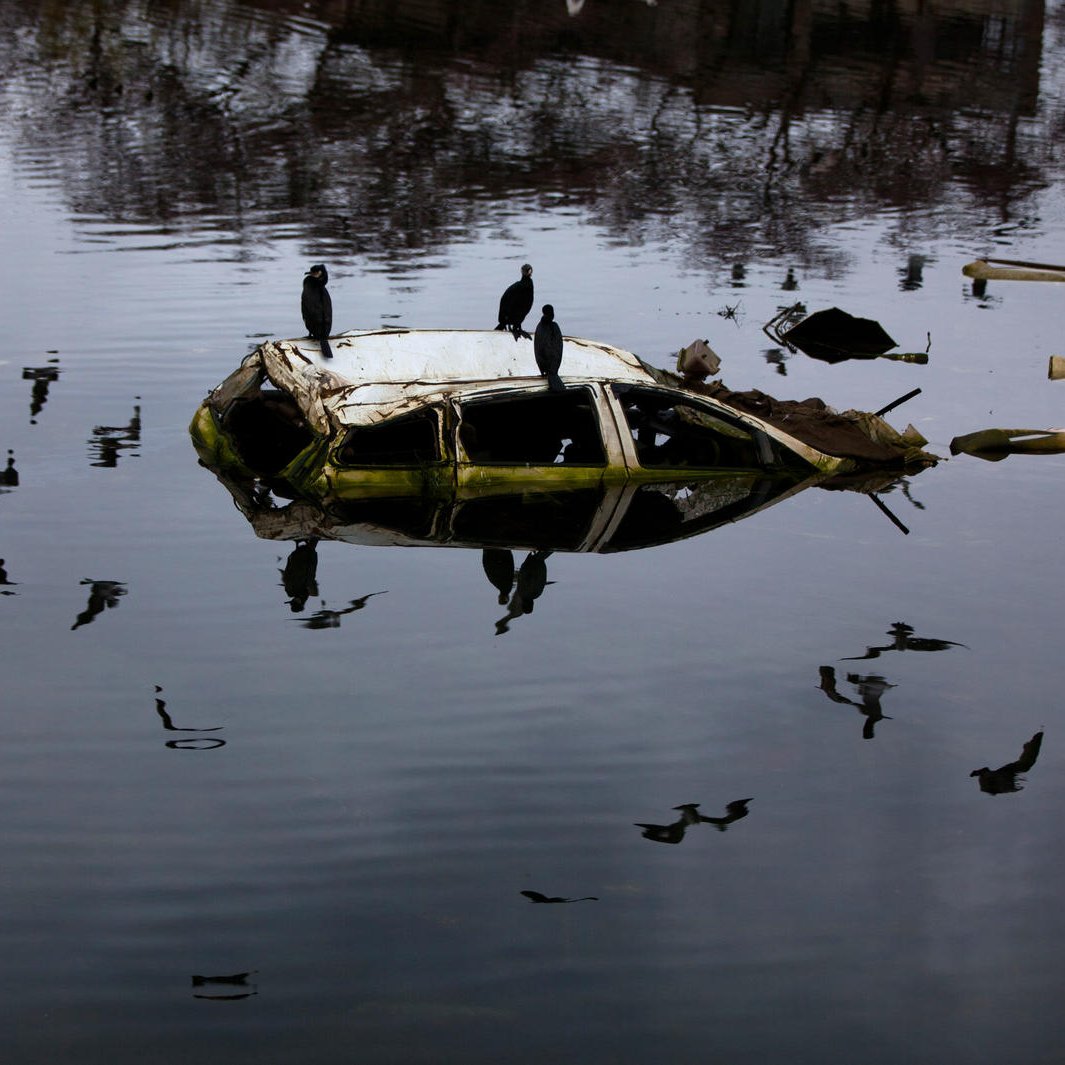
(334, 807)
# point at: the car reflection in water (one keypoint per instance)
(530, 525)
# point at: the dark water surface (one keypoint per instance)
(195, 783)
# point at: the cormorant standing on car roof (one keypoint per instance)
(317, 307)
(516, 302)
(547, 347)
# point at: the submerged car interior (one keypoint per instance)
(409, 440)
(670, 432)
(533, 429)
(267, 429)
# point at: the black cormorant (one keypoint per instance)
(317, 307)
(547, 347)
(515, 304)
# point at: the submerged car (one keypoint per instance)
(399, 412)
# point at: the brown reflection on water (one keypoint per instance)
(383, 129)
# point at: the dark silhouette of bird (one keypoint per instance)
(733, 812)
(299, 577)
(3, 574)
(9, 475)
(1004, 779)
(903, 639)
(673, 832)
(498, 566)
(871, 688)
(330, 619)
(529, 586)
(103, 595)
(535, 896)
(515, 304)
(237, 981)
(168, 721)
(317, 307)
(547, 347)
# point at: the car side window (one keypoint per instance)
(533, 429)
(410, 440)
(670, 432)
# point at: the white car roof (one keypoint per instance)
(379, 373)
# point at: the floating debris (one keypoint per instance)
(698, 361)
(995, 444)
(1012, 270)
(833, 336)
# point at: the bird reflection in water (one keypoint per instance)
(9, 477)
(777, 358)
(902, 639)
(870, 688)
(498, 566)
(190, 744)
(1004, 779)
(529, 586)
(535, 896)
(224, 988)
(330, 619)
(42, 377)
(299, 578)
(103, 595)
(108, 440)
(4, 582)
(689, 815)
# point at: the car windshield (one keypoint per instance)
(669, 431)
